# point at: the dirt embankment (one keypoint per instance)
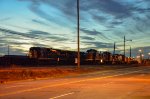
(21, 73)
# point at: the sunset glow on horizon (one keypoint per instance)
(53, 23)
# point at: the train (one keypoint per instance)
(40, 56)
(63, 57)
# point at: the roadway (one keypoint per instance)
(127, 83)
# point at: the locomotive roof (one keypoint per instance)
(38, 48)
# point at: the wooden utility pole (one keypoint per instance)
(114, 48)
(8, 50)
(124, 49)
(78, 33)
(130, 52)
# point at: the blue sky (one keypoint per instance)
(52, 23)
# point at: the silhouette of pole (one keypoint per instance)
(114, 48)
(8, 49)
(130, 52)
(140, 55)
(148, 56)
(78, 33)
(124, 48)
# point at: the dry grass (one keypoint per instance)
(19, 73)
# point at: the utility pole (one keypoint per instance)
(140, 55)
(148, 56)
(78, 33)
(114, 48)
(8, 49)
(124, 48)
(130, 52)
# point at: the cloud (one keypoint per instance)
(32, 34)
(13, 32)
(65, 9)
(19, 40)
(39, 22)
(19, 27)
(93, 33)
(140, 25)
(36, 35)
(99, 18)
(99, 44)
(56, 39)
(47, 36)
(5, 19)
(87, 38)
(90, 32)
(68, 7)
(142, 10)
(35, 7)
(118, 9)
(111, 7)
(116, 22)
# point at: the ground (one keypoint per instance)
(16, 73)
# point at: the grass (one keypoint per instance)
(23, 73)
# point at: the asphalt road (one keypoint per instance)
(127, 83)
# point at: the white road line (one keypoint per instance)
(14, 86)
(62, 95)
(107, 84)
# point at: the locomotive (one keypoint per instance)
(54, 55)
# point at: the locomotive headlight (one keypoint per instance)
(101, 61)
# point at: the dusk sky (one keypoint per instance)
(53, 24)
